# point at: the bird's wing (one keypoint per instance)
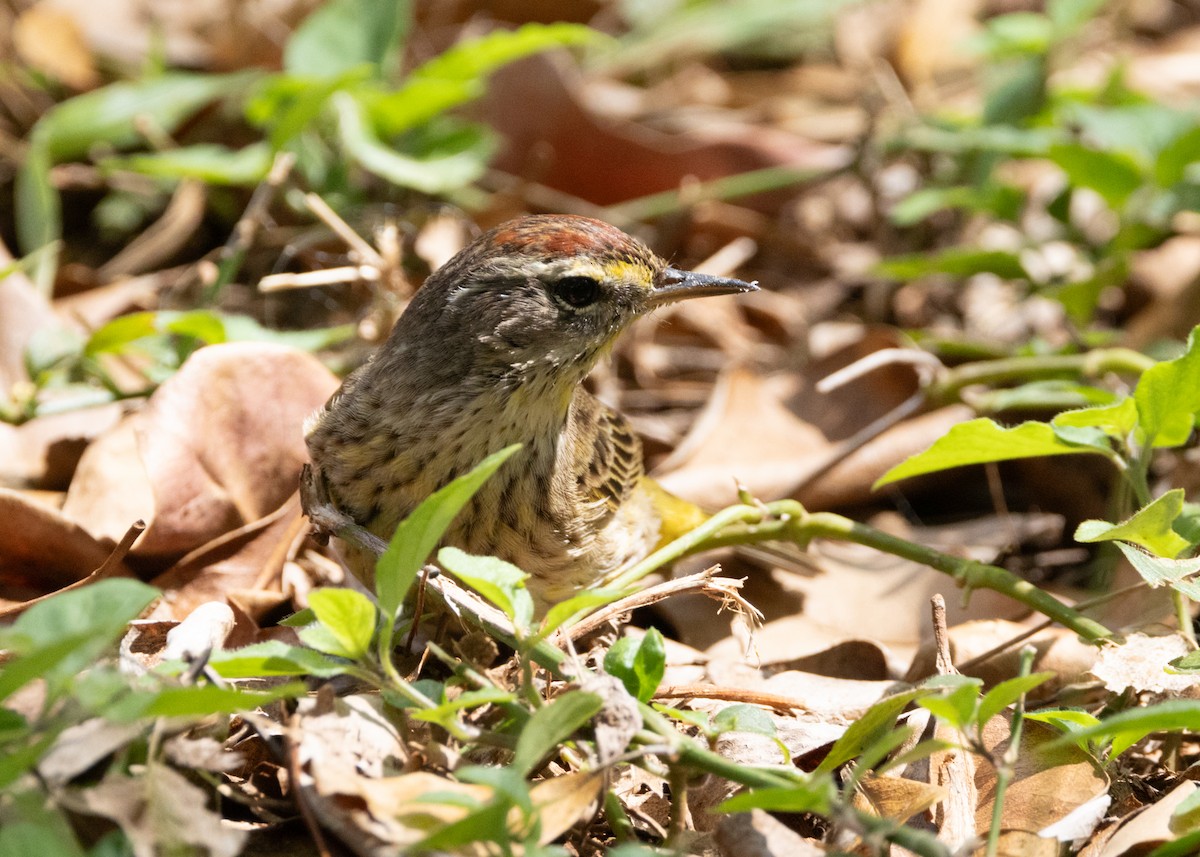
(608, 463)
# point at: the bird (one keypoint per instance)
(491, 351)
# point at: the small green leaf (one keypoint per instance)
(1151, 527)
(980, 441)
(550, 726)
(348, 615)
(1113, 175)
(123, 331)
(1189, 663)
(457, 164)
(340, 35)
(815, 796)
(500, 582)
(1069, 15)
(198, 701)
(457, 75)
(273, 658)
(958, 704)
(744, 718)
(1000, 200)
(1117, 420)
(639, 664)
(1168, 398)
(208, 162)
(1068, 719)
(1173, 161)
(69, 631)
(956, 261)
(418, 534)
(1008, 692)
(866, 730)
(322, 639)
(1186, 815)
(1127, 728)
(299, 619)
(1179, 574)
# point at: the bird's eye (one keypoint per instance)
(577, 292)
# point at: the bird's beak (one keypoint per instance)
(675, 285)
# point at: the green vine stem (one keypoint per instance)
(787, 520)
(1100, 361)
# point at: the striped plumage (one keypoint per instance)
(490, 352)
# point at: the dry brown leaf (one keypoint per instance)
(218, 446)
(41, 550)
(563, 801)
(800, 643)
(1148, 828)
(45, 451)
(896, 798)
(1139, 664)
(759, 834)
(23, 312)
(159, 809)
(1048, 785)
(624, 160)
(1058, 650)
(50, 40)
(862, 588)
(243, 567)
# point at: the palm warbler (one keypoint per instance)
(490, 352)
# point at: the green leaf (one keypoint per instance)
(208, 162)
(958, 704)
(1068, 719)
(340, 35)
(1168, 398)
(198, 701)
(744, 718)
(551, 725)
(866, 730)
(110, 114)
(956, 261)
(455, 165)
(457, 75)
(1179, 574)
(1187, 845)
(1151, 527)
(1113, 175)
(500, 582)
(1008, 692)
(1069, 15)
(69, 631)
(1002, 201)
(1018, 34)
(1186, 816)
(273, 658)
(322, 639)
(639, 664)
(1189, 663)
(243, 328)
(39, 213)
(418, 534)
(123, 331)
(980, 441)
(1170, 168)
(348, 615)
(1127, 728)
(1116, 421)
(814, 796)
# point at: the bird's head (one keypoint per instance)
(549, 293)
